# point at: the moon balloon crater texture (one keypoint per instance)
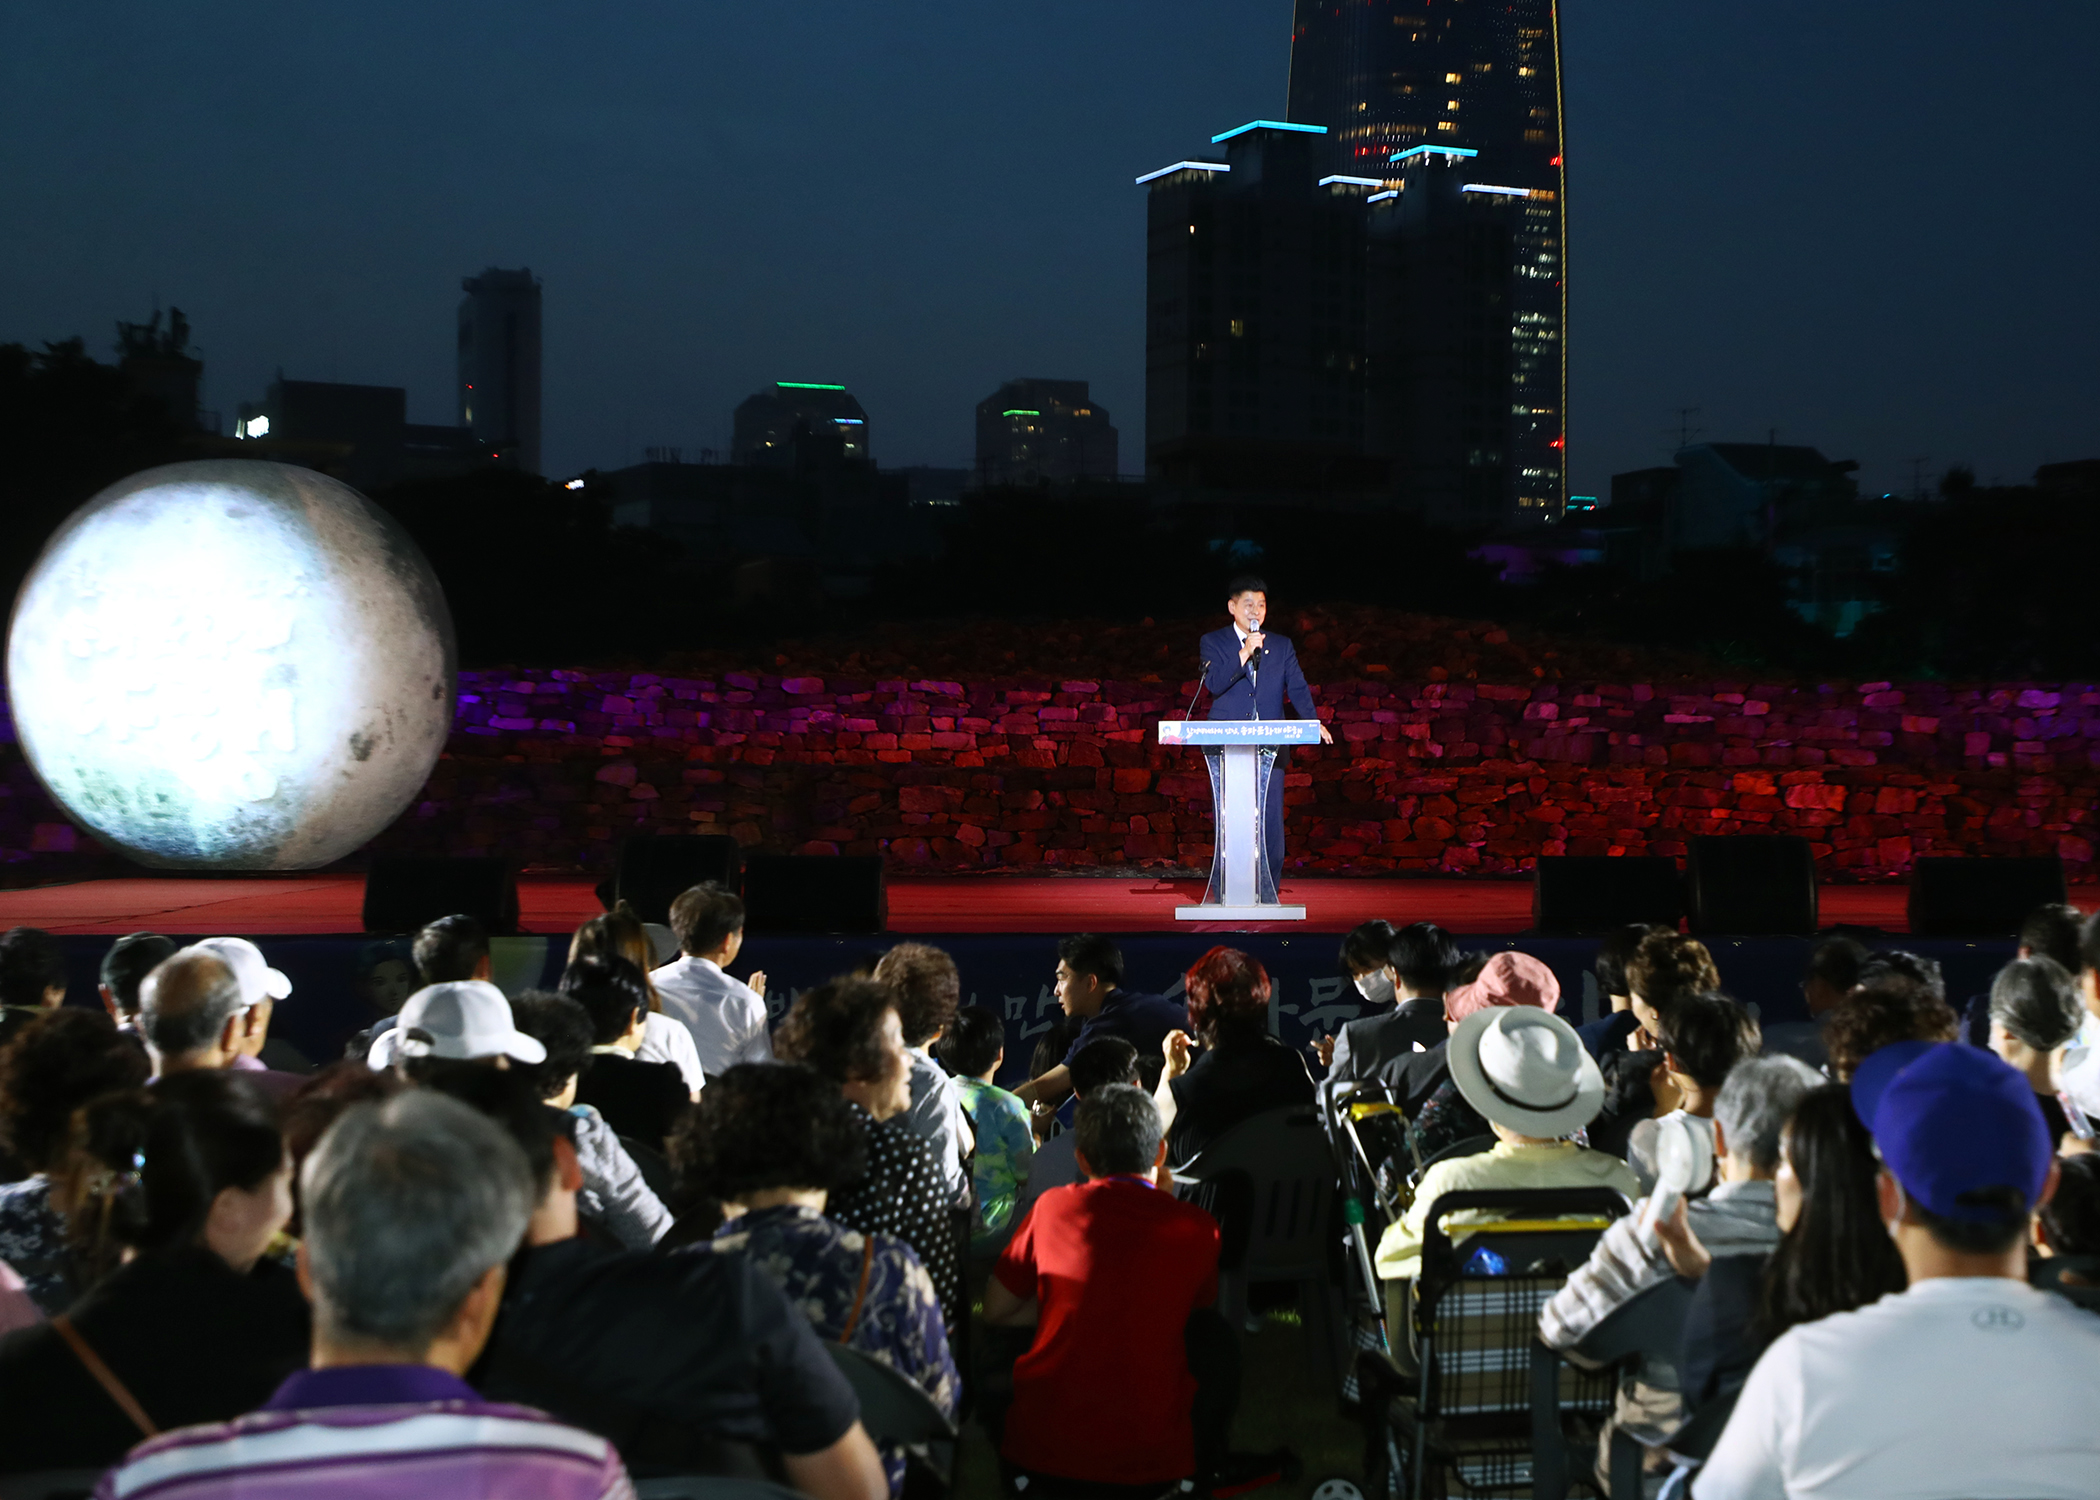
(231, 665)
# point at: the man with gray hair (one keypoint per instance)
(412, 1210)
(1118, 1277)
(196, 1016)
(1738, 1217)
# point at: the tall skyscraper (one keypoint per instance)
(1032, 432)
(499, 364)
(1254, 289)
(1411, 91)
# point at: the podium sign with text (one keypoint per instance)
(1241, 755)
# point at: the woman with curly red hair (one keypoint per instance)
(1240, 1070)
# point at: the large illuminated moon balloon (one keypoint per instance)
(231, 665)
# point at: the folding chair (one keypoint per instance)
(1283, 1158)
(1647, 1326)
(895, 1409)
(1474, 1413)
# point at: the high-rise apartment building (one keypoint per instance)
(1254, 342)
(499, 364)
(1032, 432)
(1409, 89)
(797, 423)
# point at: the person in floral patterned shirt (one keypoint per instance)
(48, 1069)
(770, 1140)
(973, 1050)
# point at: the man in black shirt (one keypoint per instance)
(1090, 991)
(687, 1363)
(848, 1032)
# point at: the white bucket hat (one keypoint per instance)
(258, 981)
(1526, 1070)
(461, 1019)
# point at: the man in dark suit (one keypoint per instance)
(1250, 674)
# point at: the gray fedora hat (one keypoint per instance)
(1526, 1070)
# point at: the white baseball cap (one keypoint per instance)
(463, 1019)
(258, 981)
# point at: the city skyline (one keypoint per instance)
(1777, 219)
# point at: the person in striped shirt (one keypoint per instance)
(412, 1210)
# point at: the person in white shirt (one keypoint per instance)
(727, 1017)
(1841, 1408)
(619, 933)
(929, 991)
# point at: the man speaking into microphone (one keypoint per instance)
(1250, 674)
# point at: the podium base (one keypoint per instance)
(1255, 913)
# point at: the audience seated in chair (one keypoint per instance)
(644, 1101)
(412, 1209)
(614, 1196)
(450, 950)
(174, 1194)
(32, 977)
(928, 991)
(48, 1069)
(1703, 1037)
(1637, 1087)
(687, 1363)
(1609, 1032)
(2035, 1014)
(204, 1007)
(1131, 1378)
(1089, 989)
(1108, 1059)
(973, 1050)
(726, 1016)
(2068, 1226)
(124, 968)
(1526, 1073)
(1445, 1118)
(769, 1141)
(1736, 1218)
(1665, 967)
(1833, 972)
(619, 933)
(848, 1031)
(1833, 1253)
(1240, 1071)
(1891, 1004)
(1406, 971)
(1833, 1407)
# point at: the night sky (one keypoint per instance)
(1869, 225)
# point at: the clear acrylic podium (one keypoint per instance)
(1241, 754)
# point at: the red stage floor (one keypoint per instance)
(317, 904)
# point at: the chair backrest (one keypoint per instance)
(1650, 1322)
(894, 1408)
(1472, 1145)
(1284, 1156)
(1477, 1325)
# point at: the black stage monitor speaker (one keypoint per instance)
(1985, 898)
(1751, 885)
(1591, 894)
(404, 892)
(814, 893)
(656, 868)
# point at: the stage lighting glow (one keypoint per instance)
(231, 664)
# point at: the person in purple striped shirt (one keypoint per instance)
(412, 1210)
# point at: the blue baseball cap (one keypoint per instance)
(1950, 1120)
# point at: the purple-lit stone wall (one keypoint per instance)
(554, 767)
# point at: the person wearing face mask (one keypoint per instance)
(1407, 971)
(174, 1194)
(848, 1031)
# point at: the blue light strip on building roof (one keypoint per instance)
(1388, 193)
(1354, 181)
(1185, 166)
(1268, 125)
(849, 422)
(1489, 187)
(1439, 150)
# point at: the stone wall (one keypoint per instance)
(554, 767)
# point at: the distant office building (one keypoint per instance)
(1032, 432)
(359, 433)
(1465, 352)
(800, 423)
(1745, 494)
(499, 364)
(159, 364)
(1254, 338)
(1393, 77)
